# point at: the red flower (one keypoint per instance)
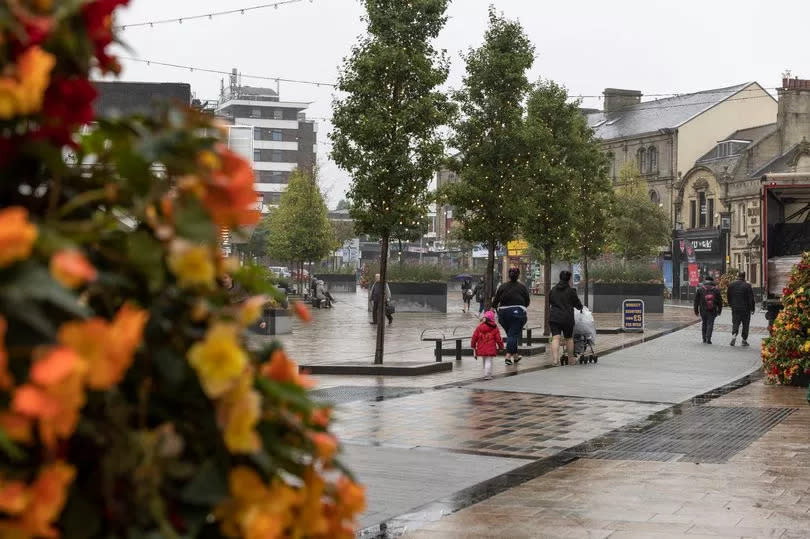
(68, 104)
(98, 20)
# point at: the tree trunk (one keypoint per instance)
(378, 353)
(401, 262)
(488, 284)
(585, 275)
(546, 287)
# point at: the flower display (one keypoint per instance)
(130, 403)
(786, 352)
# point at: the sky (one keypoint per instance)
(655, 46)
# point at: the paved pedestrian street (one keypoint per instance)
(664, 437)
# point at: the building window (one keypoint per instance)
(652, 157)
(692, 216)
(276, 135)
(257, 155)
(255, 113)
(654, 198)
(710, 213)
(742, 220)
(271, 199)
(752, 274)
(278, 114)
(642, 160)
(702, 210)
(738, 261)
(277, 157)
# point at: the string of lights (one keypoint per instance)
(211, 15)
(222, 72)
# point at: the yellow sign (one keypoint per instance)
(517, 247)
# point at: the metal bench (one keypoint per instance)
(440, 339)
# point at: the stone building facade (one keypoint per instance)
(722, 189)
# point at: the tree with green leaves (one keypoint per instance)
(343, 204)
(386, 123)
(257, 243)
(639, 227)
(299, 228)
(342, 231)
(487, 136)
(558, 143)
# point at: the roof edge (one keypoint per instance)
(710, 107)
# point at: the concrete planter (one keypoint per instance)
(419, 297)
(608, 297)
(339, 282)
(278, 322)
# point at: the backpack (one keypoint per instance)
(709, 298)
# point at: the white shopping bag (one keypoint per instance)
(584, 324)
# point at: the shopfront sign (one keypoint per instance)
(703, 245)
(633, 315)
(517, 247)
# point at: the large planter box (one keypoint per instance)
(278, 322)
(339, 282)
(419, 297)
(608, 298)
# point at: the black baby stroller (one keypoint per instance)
(585, 337)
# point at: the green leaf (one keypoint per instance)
(9, 447)
(146, 255)
(209, 486)
(31, 281)
(194, 223)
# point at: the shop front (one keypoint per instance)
(696, 254)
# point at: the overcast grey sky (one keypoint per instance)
(655, 46)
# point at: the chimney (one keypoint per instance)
(793, 116)
(616, 99)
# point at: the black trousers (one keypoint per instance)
(737, 317)
(374, 308)
(708, 325)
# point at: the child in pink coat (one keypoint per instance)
(486, 341)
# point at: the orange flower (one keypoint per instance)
(54, 395)
(16, 426)
(352, 497)
(108, 348)
(251, 309)
(71, 268)
(14, 497)
(311, 519)
(48, 496)
(6, 379)
(302, 312)
(22, 92)
(282, 369)
(230, 195)
(320, 417)
(17, 234)
(325, 445)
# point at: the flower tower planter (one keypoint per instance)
(786, 352)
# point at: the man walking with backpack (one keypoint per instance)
(709, 305)
(741, 301)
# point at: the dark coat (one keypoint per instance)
(741, 296)
(511, 293)
(562, 301)
(478, 292)
(700, 299)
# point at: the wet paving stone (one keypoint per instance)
(343, 394)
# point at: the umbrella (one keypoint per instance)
(462, 277)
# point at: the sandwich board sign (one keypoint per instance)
(633, 315)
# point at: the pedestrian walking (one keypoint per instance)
(466, 294)
(478, 292)
(709, 305)
(511, 301)
(375, 296)
(486, 341)
(741, 300)
(562, 301)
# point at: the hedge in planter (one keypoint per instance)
(786, 353)
(129, 404)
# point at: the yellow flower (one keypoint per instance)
(192, 265)
(218, 359)
(251, 309)
(22, 92)
(17, 234)
(238, 412)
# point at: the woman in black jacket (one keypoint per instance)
(511, 301)
(562, 301)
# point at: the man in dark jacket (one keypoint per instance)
(478, 292)
(741, 301)
(511, 301)
(562, 301)
(709, 305)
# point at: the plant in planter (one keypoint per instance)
(786, 352)
(129, 404)
(631, 271)
(725, 280)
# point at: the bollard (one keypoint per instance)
(458, 349)
(438, 351)
(529, 336)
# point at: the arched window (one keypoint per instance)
(654, 198)
(642, 160)
(652, 157)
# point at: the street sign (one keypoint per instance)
(517, 247)
(633, 315)
(694, 275)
